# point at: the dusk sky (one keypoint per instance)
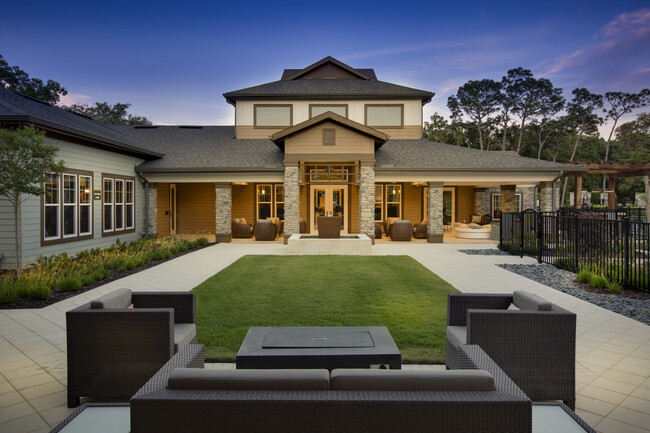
(173, 60)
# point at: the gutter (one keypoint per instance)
(146, 203)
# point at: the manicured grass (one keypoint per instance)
(392, 291)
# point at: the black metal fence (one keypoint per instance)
(616, 248)
(633, 213)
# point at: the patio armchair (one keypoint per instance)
(387, 225)
(534, 344)
(265, 230)
(117, 342)
(329, 227)
(401, 230)
(378, 230)
(241, 229)
(420, 230)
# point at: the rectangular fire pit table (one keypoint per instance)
(319, 347)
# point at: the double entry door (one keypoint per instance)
(330, 200)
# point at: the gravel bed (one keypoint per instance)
(564, 281)
(485, 252)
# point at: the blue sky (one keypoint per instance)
(173, 60)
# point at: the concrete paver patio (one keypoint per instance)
(612, 353)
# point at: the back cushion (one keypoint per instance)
(285, 379)
(527, 301)
(411, 380)
(120, 298)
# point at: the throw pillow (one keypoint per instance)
(130, 307)
(512, 307)
(236, 220)
(476, 219)
(243, 220)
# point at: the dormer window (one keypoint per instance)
(273, 115)
(385, 115)
(318, 109)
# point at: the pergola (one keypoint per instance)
(612, 170)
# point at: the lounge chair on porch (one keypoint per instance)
(241, 229)
(264, 230)
(420, 230)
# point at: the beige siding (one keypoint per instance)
(407, 132)
(243, 202)
(411, 203)
(77, 157)
(163, 209)
(304, 204)
(248, 131)
(464, 203)
(353, 222)
(196, 212)
(310, 142)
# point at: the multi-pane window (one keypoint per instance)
(385, 116)
(67, 207)
(264, 193)
(273, 116)
(318, 109)
(496, 205)
(379, 201)
(118, 204)
(279, 201)
(393, 201)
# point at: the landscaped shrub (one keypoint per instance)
(598, 281)
(8, 291)
(585, 275)
(614, 287)
(68, 283)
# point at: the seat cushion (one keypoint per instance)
(457, 335)
(184, 333)
(357, 379)
(251, 379)
(120, 298)
(528, 301)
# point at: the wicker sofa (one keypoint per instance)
(534, 345)
(113, 349)
(347, 401)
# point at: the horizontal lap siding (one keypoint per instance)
(98, 161)
(7, 233)
(310, 142)
(243, 202)
(195, 208)
(412, 203)
(464, 203)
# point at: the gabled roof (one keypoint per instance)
(15, 107)
(333, 117)
(321, 63)
(366, 71)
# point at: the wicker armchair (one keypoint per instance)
(535, 345)
(420, 230)
(378, 230)
(401, 230)
(114, 349)
(240, 229)
(265, 230)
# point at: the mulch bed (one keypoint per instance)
(57, 296)
(625, 293)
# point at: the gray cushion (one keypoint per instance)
(264, 221)
(184, 333)
(528, 301)
(411, 380)
(475, 226)
(457, 335)
(284, 379)
(120, 298)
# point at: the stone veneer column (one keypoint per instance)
(291, 201)
(223, 212)
(151, 198)
(367, 201)
(546, 197)
(435, 212)
(508, 203)
(527, 196)
(481, 201)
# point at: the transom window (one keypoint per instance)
(118, 202)
(318, 109)
(385, 115)
(273, 116)
(67, 207)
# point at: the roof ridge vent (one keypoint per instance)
(190, 127)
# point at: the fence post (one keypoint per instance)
(626, 249)
(540, 236)
(501, 231)
(521, 234)
(576, 241)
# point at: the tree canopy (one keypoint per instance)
(111, 114)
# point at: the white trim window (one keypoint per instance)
(496, 205)
(67, 207)
(264, 197)
(279, 201)
(130, 204)
(393, 201)
(119, 204)
(51, 207)
(379, 202)
(85, 205)
(107, 194)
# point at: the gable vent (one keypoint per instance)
(329, 136)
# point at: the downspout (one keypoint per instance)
(559, 176)
(146, 204)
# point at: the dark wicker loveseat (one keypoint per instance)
(169, 406)
(535, 345)
(113, 350)
(241, 229)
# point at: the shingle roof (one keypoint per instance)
(205, 148)
(429, 155)
(331, 89)
(21, 108)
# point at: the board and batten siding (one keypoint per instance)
(77, 157)
(356, 111)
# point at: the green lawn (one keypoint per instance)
(392, 291)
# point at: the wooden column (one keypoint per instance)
(577, 194)
(611, 196)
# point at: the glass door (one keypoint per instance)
(329, 200)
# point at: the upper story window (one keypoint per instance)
(273, 115)
(318, 109)
(385, 115)
(67, 207)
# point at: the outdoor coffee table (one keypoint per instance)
(319, 347)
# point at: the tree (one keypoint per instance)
(516, 85)
(15, 79)
(478, 99)
(551, 102)
(582, 114)
(111, 114)
(24, 161)
(436, 130)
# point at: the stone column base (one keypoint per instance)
(435, 238)
(223, 238)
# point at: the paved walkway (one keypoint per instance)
(613, 352)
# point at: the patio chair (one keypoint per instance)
(533, 344)
(118, 341)
(378, 230)
(420, 230)
(241, 229)
(387, 224)
(329, 227)
(264, 230)
(401, 230)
